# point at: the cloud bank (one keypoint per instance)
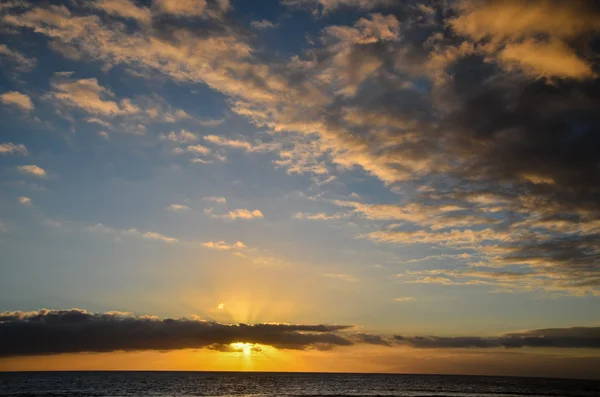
(77, 330)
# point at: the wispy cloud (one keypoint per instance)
(240, 213)
(178, 207)
(11, 148)
(15, 98)
(263, 24)
(32, 170)
(182, 136)
(132, 232)
(219, 200)
(223, 246)
(197, 149)
(24, 200)
(89, 96)
(22, 62)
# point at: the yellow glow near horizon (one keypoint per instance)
(245, 347)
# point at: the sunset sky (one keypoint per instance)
(364, 185)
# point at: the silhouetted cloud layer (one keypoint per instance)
(575, 337)
(76, 330)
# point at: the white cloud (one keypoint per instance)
(95, 120)
(24, 200)
(240, 144)
(11, 148)
(320, 216)
(263, 24)
(32, 170)
(327, 6)
(17, 99)
(182, 136)
(178, 207)
(89, 96)
(200, 161)
(241, 213)
(132, 232)
(211, 122)
(198, 149)
(155, 236)
(405, 299)
(103, 134)
(219, 200)
(223, 246)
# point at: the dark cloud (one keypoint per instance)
(75, 330)
(472, 124)
(576, 337)
(371, 339)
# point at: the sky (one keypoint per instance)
(300, 185)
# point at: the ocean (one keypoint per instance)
(73, 384)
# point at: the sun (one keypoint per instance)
(246, 348)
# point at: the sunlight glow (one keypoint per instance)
(246, 348)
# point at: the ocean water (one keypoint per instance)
(281, 384)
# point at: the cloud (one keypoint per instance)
(95, 120)
(221, 245)
(181, 7)
(514, 19)
(211, 122)
(32, 170)
(17, 99)
(23, 63)
(154, 236)
(89, 96)
(200, 161)
(320, 216)
(326, 6)
(178, 207)
(221, 141)
(575, 337)
(405, 299)
(132, 232)
(198, 149)
(239, 144)
(483, 118)
(263, 24)
(11, 148)
(125, 9)
(240, 213)
(545, 60)
(192, 8)
(344, 277)
(182, 136)
(435, 217)
(24, 200)
(532, 35)
(219, 200)
(76, 330)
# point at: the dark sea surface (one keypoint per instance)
(281, 384)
